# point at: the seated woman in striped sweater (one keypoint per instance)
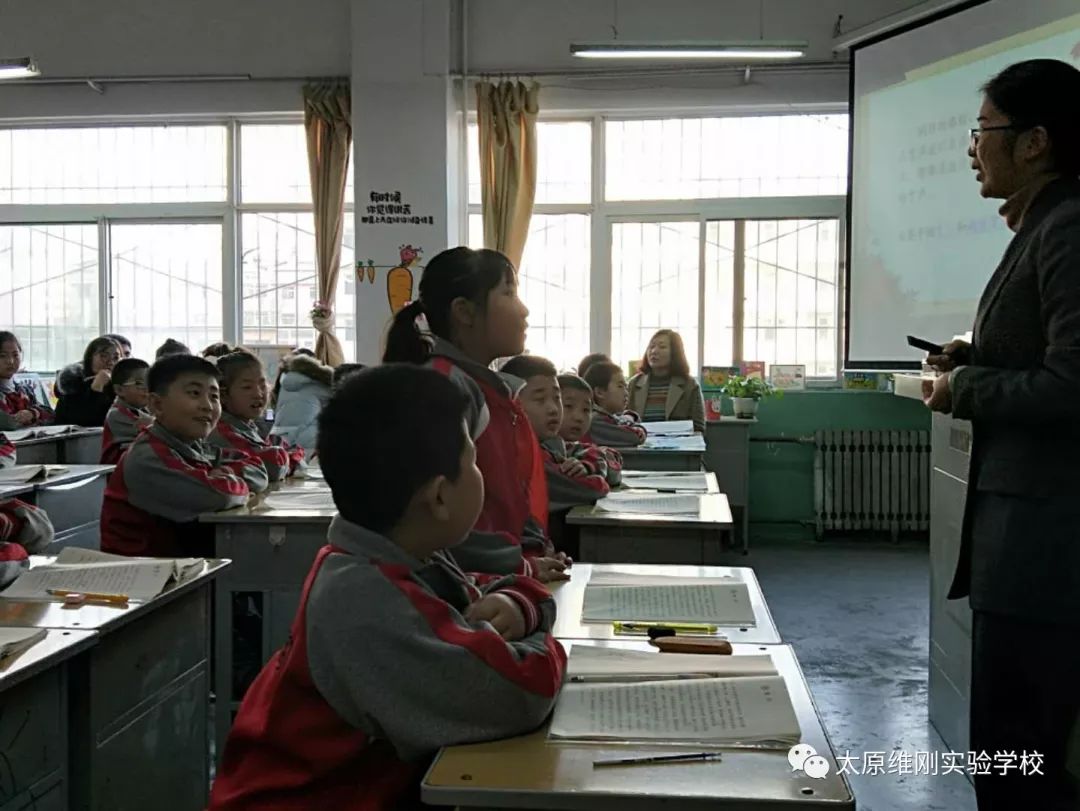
(663, 388)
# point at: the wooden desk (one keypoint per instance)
(727, 454)
(625, 537)
(529, 772)
(139, 698)
(570, 597)
(271, 551)
(34, 721)
(676, 481)
(81, 446)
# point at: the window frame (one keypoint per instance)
(228, 212)
(603, 212)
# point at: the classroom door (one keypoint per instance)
(166, 281)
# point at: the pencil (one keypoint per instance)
(89, 596)
(640, 761)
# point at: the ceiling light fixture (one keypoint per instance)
(22, 67)
(660, 51)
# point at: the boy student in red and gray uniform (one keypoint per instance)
(24, 530)
(472, 316)
(612, 425)
(577, 397)
(576, 473)
(394, 650)
(170, 475)
(244, 395)
(128, 414)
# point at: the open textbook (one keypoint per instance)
(740, 711)
(695, 442)
(23, 474)
(40, 432)
(679, 482)
(719, 601)
(89, 571)
(590, 663)
(650, 503)
(16, 640)
(670, 428)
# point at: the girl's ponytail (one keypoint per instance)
(404, 343)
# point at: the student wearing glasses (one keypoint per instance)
(1018, 382)
(84, 390)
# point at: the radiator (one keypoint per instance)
(872, 480)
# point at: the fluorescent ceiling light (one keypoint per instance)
(754, 49)
(21, 68)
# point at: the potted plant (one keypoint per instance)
(746, 392)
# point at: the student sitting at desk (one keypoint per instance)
(577, 399)
(612, 425)
(471, 310)
(84, 391)
(128, 414)
(302, 388)
(394, 650)
(170, 475)
(663, 389)
(244, 394)
(575, 472)
(19, 407)
(24, 530)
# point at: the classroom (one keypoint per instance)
(543, 404)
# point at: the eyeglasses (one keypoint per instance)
(975, 132)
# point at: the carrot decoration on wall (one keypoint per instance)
(399, 281)
(368, 268)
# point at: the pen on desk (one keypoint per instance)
(639, 761)
(92, 597)
(643, 628)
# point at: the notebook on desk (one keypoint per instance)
(650, 503)
(39, 432)
(23, 474)
(670, 428)
(717, 601)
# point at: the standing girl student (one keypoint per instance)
(18, 402)
(663, 389)
(473, 315)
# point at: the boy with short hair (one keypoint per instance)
(576, 474)
(128, 414)
(170, 475)
(394, 651)
(577, 397)
(612, 425)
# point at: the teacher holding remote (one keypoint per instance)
(1018, 382)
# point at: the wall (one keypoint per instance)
(782, 474)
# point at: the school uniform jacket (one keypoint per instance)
(121, 428)
(162, 484)
(380, 670)
(279, 457)
(19, 395)
(570, 491)
(24, 530)
(684, 400)
(512, 527)
(615, 430)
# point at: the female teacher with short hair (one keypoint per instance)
(1018, 382)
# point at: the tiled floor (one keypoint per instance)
(857, 614)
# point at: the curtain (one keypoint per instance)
(328, 124)
(506, 115)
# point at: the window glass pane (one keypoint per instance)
(563, 164)
(791, 293)
(274, 165)
(49, 291)
(754, 156)
(113, 164)
(654, 279)
(279, 282)
(719, 292)
(554, 284)
(166, 283)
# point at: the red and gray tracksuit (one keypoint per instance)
(380, 670)
(162, 484)
(20, 395)
(570, 491)
(121, 428)
(615, 430)
(512, 527)
(24, 530)
(280, 458)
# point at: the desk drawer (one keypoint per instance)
(72, 504)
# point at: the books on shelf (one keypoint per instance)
(788, 377)
(674, 698)
(91, 572)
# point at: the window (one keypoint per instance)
(49, 290)
(696, 158)
(143, 164)
(554, 273)
(274, 165)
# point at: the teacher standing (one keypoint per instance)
(1018, 382)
